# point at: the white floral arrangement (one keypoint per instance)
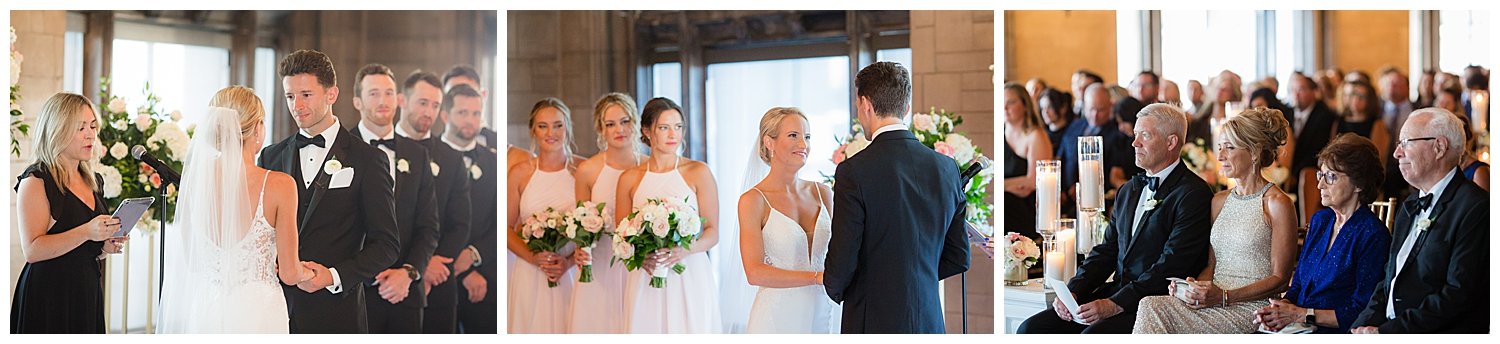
(18, 127)
(1020, 251)
(158, 132)
(937, 129)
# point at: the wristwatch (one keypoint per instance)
(411, 272)
(1311, 319)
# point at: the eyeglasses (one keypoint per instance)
(1406, 143)
(1328, 177)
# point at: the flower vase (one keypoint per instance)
(1015, 274)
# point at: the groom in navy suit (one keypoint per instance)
(898, 218)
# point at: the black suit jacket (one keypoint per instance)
(898, 229)
(350, 229)
(484, 216)
(452, 198)
(1315, 134)
(417, 216)
(1444, 286)
(1172, 242)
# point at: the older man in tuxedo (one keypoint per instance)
(1159, 229)
(1438, 280)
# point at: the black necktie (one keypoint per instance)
(1417, 205)
(388, 143)
(303, 141)
(1151, 182)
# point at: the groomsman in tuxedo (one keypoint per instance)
(423, 95)
(1159, 229)
(346, 205)
(475, 266)
(394, 298)
(1438, 278)
(466, 75)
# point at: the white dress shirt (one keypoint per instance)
(888, 128)
(1411, 239)
(1146, 193)
(1299, 117)
(463, 149)
(390, 154)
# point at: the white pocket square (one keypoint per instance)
(342, 178)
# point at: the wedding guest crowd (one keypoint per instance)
(1312, 173)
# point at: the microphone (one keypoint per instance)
(978, 164)
(168, 176)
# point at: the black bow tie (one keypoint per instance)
(388, 143)
(303, 141)
(1151, 182)
(473, 154)
(1418, 204)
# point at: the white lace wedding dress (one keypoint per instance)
(241, 292)
(804, 309)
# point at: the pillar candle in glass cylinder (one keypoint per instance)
(1091, 172)
(1066, 239)
(1055, 259)
(1048, 190)
(1086, 239)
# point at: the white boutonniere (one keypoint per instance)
(475, 172)
(332, 166)
(403, 166)
(1151, 204)
(1423, 224)
(434, 168)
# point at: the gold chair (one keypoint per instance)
(1385, 211)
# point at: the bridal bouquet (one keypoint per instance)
(543, 232)
(659, 224)
(124, 176)
(584, 225)
(936, 129)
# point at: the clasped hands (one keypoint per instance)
(1279, 314)
(1089, 313)
(1202, 294)
(314, 277)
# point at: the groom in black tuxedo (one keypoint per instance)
(394, 298)
(898, 218)
(347, 224)
(1438, 278)
(423, 97)
(476, 266)
(1159, 229)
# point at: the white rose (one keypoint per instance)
(660, 228)
(434, 168)
(112, 180)
(332, 166)
(963, 148)
(142, 121)
(118, 150)
(403, 166)
(176, 115)
(570, 230)
(551, 223)
(15, 68)
(646, 213)
(475, 172)
(593, 224)
(117, 105)
(690, 226)
(922, 122)
(623, 249)
(120, 125)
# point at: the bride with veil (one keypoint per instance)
(785, 225)
(236, 224)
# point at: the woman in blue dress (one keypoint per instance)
(1346, 248)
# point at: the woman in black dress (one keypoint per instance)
(1025, 143)
(65, 230)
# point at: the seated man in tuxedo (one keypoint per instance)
(1159, 229)
(393, 298)
(1438, 278)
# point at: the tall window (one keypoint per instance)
(901, 55)
(265, 86)
(1464, 39)
(1197, 45)
(185, 77)
(666, 81)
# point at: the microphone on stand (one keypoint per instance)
(168, 176)
(978, 164)
(976, 238)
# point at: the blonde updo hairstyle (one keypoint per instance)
(1261, 130)
(770, 123)
(243, 100)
